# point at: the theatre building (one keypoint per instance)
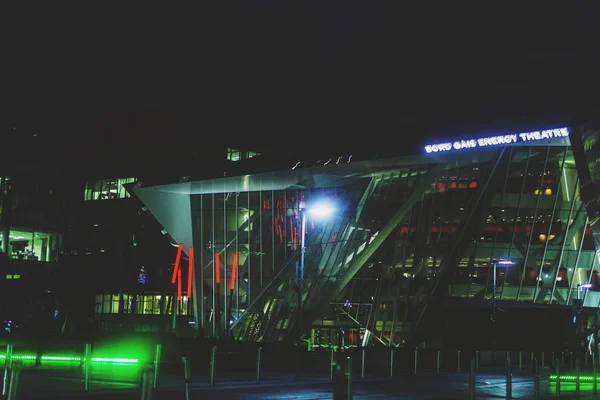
(393, 251)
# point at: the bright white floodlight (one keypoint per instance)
(321, 210)
(505, 262)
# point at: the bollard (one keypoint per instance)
(13, 385)
(7, 367)
(213, 365)
(437, 365)
(157, 354)
(331, 365)
(553, 359)
(520, 360)
(362, 364)
(349, 381)
(147, 383)
(586, 359)
(543, 359)
(508, 380)
(477, 361)
(594, 374)
(557, 378)
(577, 379)
(531, 359)
(258, 361)
(562, 359)
(472, 375)
(536, 380)
(416, 361)
(391, 363)
(87, 362)
(187, 377)
(458, 363)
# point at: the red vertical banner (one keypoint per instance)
(233, 271)
(190, 272)
(217, 268)
(179, 284)
(177, 261)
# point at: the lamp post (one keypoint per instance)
(494, 284)
(320, 210)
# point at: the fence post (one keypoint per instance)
(187, 378)
(536, 380)
(362, 365)
(562, 359)
(558, 378)
(349, 389)
(258, 361)
(477, 361)
(157, 354)
(87, 362)
(472, 376)
(595, 374)
(7, 367)
(331, 364)
(416, 361)
(531, 360)
(458, 362)
(15, 372)
(438, 362)
(391, 363)
(520, 360)
(543, 359)
(213, 365)
(577, 378)
(508, 380)
(553, 361)
(147, 383)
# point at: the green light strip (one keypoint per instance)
(98, 360)
(573, 378)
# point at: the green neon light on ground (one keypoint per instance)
(573, 378)
(98, 360)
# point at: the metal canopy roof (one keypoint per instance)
(314, 177)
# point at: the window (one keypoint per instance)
(26, 244)
(107, 189)
(234, 154)
(237, 154)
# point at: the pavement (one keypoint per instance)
(284, 386)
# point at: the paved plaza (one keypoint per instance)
(285, 386)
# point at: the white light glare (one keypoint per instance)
(321, 210)
(505, 262)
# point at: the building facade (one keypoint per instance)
(497, 220)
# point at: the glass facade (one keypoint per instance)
(27, 244)
(238, 155)
(506, 223)
(107, 189)
(141, 304)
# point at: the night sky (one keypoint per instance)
(316, 77)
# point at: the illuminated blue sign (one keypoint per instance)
(498, 140)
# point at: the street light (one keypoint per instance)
(495, 264)
(321, 210)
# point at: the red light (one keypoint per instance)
(190, 271)
(177, 261)
(233, 271)
(217, 268)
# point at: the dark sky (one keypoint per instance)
(294, 75)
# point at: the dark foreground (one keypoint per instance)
(489, 385)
